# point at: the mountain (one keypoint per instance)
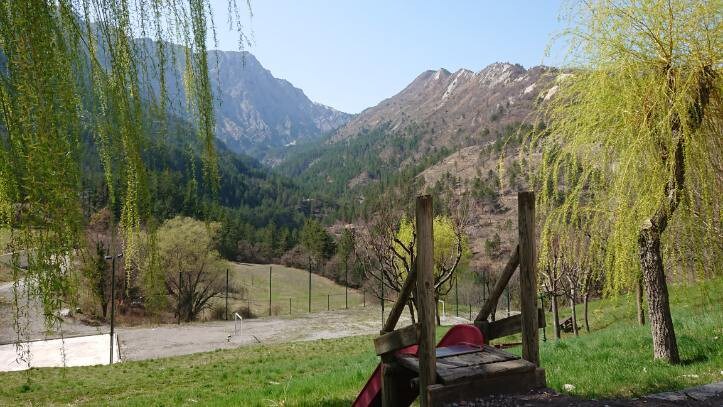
(445, 132)
(464, 103)
(258, 112)
(436, 115)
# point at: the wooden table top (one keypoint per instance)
(464, 362)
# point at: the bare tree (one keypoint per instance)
(388, 259)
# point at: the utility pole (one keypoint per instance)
(269, 290)
(112, 301)
(309, 284)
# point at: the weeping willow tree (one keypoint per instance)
(633, 146)
(74, 67)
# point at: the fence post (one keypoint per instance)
(289, 306)
(508, 300)
(381, 285)
(346, 284)
(226, 294)
(456, 295)
(269, 290)
(425, 296)
(328, 296)
(178, 305)
(364, 304)
(528, 276)
(309, 284)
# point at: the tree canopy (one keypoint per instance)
(635, 133)
(69, 68)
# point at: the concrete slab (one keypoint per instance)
(76, 351)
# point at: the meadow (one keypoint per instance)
(612, 361)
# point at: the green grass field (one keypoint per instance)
(286, 283)
(612, 361)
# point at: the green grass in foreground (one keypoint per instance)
(613, 361)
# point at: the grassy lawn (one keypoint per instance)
(615, 358)
(287, 282)
(613, 361)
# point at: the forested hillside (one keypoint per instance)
(255, 206)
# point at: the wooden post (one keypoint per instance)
(389, 384)
(528, 276)
(402, 301)
(491, 303)
(269, 290)
(425, 297)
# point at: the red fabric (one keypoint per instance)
(371, 394)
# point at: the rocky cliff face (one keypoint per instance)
(258, 112)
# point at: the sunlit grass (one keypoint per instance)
(615, 360)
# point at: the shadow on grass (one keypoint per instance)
(696, 359)
(335, 403)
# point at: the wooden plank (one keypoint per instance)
(425, 296)
(389, 385)
(440, 395)
(453, 350)
(499, 287)
(506, 326)
(528, 276)
(504, 368)
(398, 306)
(488, 355)
(393, 341)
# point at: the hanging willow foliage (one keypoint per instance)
(69, 67)
(643, 83)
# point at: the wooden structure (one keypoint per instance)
(462, 372)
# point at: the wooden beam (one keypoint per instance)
(499, 287)
(528, 276)
(507, 326)
(520, 382)
(390, 395)
(395, 340)
(425, 297)
(398, 307)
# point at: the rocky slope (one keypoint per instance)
(259, 112)
(453, 107)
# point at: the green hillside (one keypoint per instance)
(252, 280)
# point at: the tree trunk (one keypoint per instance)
(555, 315)
(661, 323)
(587, 319)
(639, 301)
(573, 306)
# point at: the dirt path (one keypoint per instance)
(169, 340)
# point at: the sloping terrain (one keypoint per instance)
(255, 112)
(445, 131)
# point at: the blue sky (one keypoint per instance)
(352, 54)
